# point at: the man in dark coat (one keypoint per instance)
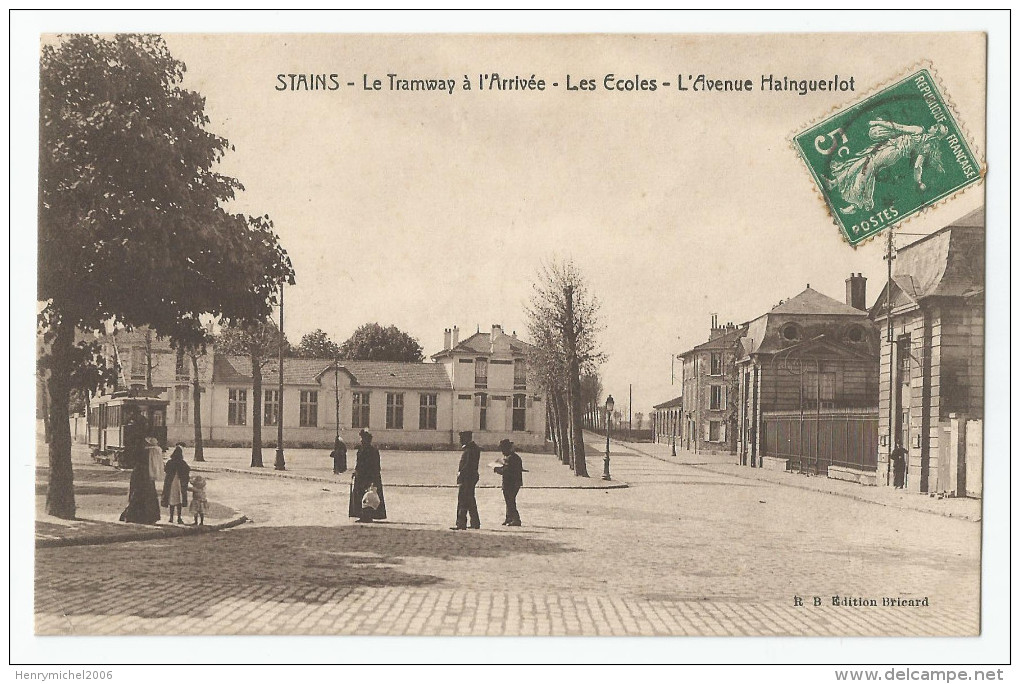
(467, 478)
(899, 465)
(513, 479)
(367, 473)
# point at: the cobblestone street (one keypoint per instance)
(682, 551)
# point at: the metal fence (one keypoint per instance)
(811, 442)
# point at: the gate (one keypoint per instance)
(811, 442)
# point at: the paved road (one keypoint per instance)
(682, 551)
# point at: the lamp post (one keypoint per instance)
(280, 463)
(609, 419)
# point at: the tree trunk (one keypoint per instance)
(256, 411)
(561, 428)
(550, 429)
(60, 492)
(574, 386)
(196, 401)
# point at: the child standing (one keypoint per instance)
(199, 500)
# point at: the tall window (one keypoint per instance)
(182, 370)
(309, 408)
(137, 363)
(481, 408)
(427, 411)
(271, 407)
(237, 407)
(359, 409)
(520, 416)
(520, 373)
(717, 397)
(716, 431)
(182, 405)
(394, 410)
(481, 373)
(716, 363)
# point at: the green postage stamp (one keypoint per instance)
(889, 156)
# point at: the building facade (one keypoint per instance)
(491, 391)
(709, 391)
(807, 374)
(667, 421)
(931, 389)
(480, 384)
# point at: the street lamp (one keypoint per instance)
(610, 404)
(280, 463)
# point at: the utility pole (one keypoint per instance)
(889, 256)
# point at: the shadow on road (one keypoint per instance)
(307, 564)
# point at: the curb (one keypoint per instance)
(617, 484)
(794, 485)
(142, 535)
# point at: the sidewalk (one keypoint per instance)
(433, 469)
(724, 464)
(101, 493)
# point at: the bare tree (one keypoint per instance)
(260, 342)
(563, 323)
(639, 418)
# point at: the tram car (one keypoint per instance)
(120, 422)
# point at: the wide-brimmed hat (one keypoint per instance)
(505, 443)
(366, 435)
(465, 437)
(152, 441)
(198, 480)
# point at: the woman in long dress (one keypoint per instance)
(367, 473)
(143, 504)
(175, 484)
(854, 178)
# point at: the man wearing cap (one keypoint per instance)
(513, 479)
(467, 478)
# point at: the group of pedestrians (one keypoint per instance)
(143, 504)
(367, 502)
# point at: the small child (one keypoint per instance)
(199, 500)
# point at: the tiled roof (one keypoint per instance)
(237, 369)
(481, 343)
(724, 341)
(391, 374)
(812, 302)
(948, 263)
(672, 403)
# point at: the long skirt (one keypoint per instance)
(358, 489)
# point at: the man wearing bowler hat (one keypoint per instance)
(513, 480)
(467, 478)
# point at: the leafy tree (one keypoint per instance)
(260, 342)
(563, 322)
(372, 342)
(317, 345)
(131, 227)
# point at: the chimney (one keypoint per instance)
(856, 291)
(497, 331)
(716, 331)
(455, 338)
(447, 334)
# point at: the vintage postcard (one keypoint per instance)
(726, 377)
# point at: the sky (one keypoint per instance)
(429, 209)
